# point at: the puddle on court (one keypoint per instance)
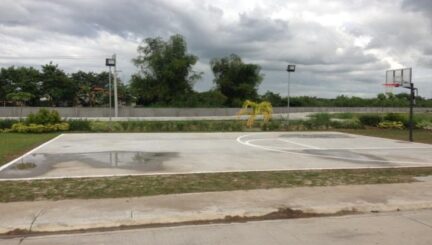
(38, 164)
(316, 136)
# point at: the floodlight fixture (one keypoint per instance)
(110, 62)
(291, 68)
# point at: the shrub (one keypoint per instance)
(271, 126)
(391, 125)
(39, 128)
(44, 116)
(349, 124)
(79, 125)
(319, 120)
(98, 126)
(427, 125)
(396, 117)
(7, 123)
(370, 120)
(5, 130)
(343, 115)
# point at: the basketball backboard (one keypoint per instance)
(400, 77)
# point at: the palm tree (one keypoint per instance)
(253, 109)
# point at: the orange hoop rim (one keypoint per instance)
(392, 84)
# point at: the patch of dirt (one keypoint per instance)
(281, 213)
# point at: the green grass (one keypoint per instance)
(135, 186)
(13, 145)
(350, 115)
(421, 136)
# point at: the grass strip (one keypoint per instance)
(13, 145)
(136, 186)
(420, 136)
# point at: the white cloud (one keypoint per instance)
(339, 46)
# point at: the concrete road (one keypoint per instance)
(390, 228)
(67, 215)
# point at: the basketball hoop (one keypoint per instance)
(402, 78)
(390, 86)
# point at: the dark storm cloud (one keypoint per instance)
(418, 5)
(86, 18)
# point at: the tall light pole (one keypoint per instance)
(115, 87)
(109, 93)
(111, 62)
(290, 68)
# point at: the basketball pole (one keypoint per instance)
(396, 79)
(411, 112)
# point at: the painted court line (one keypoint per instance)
(351, 148)
(247, 143)
(28, 153)
(296, 143)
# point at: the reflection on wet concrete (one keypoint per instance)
(350, 156)
(43, 163)
(315, 136)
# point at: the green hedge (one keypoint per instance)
(39, 128)
(79, 125)
(7, 123)
(165, 126)
(44, 117)
(370, 119)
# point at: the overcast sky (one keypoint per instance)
(340, 47)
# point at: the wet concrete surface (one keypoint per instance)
(81, 155)
(316, 136)
(353, 156)
(42, 163)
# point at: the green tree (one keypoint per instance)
(60, 88)
(22, 79)
(166, 72)
(84, 82)
(236, 80)
(20, 97)
(274, 98)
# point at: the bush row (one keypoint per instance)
(41, 122)
(156, 126)
(37, 128)
(377, 120)
(320, 121)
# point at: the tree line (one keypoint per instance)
(165, 78)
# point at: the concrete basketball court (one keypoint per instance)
(91, 155)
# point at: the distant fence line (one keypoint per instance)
(186, 112)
